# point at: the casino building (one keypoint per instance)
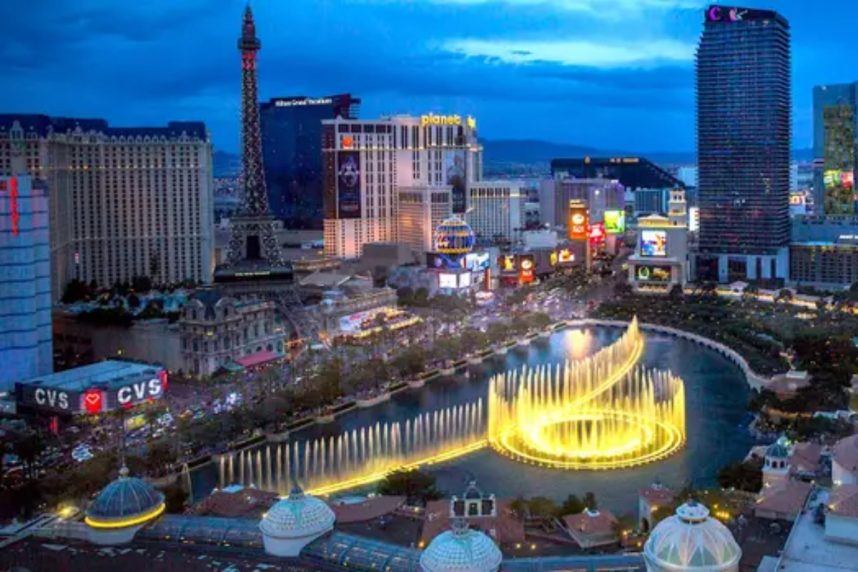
(365, 165)
(91, 389)
(660, 259)
(125, 201)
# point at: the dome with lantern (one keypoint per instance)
(121, 508)
(454, 236)
(294, 522)
(461, 549)
(691, 540)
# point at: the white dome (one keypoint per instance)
(297, 516)
(461, 550)
(691, 540)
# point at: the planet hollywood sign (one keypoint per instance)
(95, 399)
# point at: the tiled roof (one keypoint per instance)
(843, 501)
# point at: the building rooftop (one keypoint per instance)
(44, 125)
(845, 453)
(805, 457)
(786, 499)
(505, 527)
(588, 523)
(105, 375)
(807, 549)
(843, 501)
(235, 502)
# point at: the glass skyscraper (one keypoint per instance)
(292, 154)
(25, 281)
(743, 144)
(834, 148)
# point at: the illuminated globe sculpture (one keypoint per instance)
(454, 236)
(603, 412)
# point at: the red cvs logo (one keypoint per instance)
(92, 401)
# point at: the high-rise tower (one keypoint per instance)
(743, 144)
(253, 248)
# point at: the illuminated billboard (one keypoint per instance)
(578, 222)
(348, 184)
(565, 256)
(447, 281)
(597, 233)
(615, 222)
(526, 268)
(652, 273)
(653, 243)
(454, 175)
(506, 262)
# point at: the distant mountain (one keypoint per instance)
(225, 164)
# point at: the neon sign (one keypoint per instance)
(14, 214)
(93, 401)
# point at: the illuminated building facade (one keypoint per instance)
(743, 144)
(125, 201)
(292, 155)
(496, 211)
(660, 259)
(216, 330)
(420, 211)
(834, 148)
(25, 281)
(365, 163)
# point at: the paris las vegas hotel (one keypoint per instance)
(123, 201)
(397, 178)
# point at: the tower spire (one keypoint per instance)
(253, 229)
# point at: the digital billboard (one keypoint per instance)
(653, 243)
(348, 184)
(597, 233)
(652, 273)
(447, 281)
(615, 222)
(565, 256)
(526, 268)
(454, 175)
(578, 222)
(506, 262)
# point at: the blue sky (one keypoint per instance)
(615, 74)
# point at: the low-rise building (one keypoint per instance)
(660, 259)
(217, 330)
(591, 528)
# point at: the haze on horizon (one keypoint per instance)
(610, 74)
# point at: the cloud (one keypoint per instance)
(606, 9)
(585, 53)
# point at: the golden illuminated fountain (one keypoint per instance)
(603, 412)
(600, 412)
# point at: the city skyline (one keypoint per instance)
(554, 71)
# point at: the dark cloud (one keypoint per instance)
(150, 62)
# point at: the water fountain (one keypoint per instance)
(600, 412)
(360, 456)
(603, 412)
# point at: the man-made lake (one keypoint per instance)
(716, 398)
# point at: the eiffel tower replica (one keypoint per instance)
(255, 263)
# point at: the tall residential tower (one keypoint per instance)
(743, 144)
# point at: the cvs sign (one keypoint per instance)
(136, 392)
